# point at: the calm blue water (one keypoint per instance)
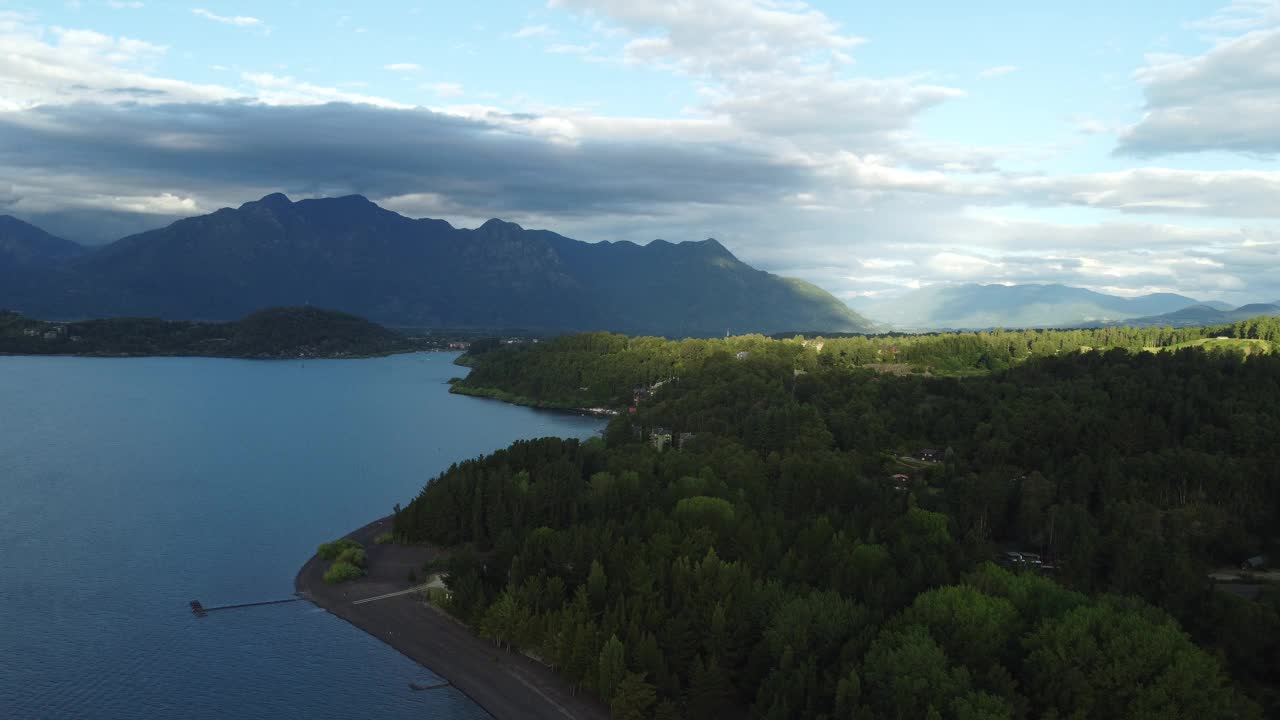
(129, 487)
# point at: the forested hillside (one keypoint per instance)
(817, 538)
(596, 369)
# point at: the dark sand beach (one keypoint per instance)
(508, 685)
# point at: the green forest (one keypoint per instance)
(1010, 527)
(289, 332)
(601, 369)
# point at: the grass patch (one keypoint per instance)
(385, 538)
(1243, 346)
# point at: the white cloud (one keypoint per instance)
(402, 67)
(567, 49)
(791, 154)
(1091, 126)
(779, 70)
(997, 71)
(1221, 193)
(957, 266)
(872, 173)
(445, 89)
(825, 107)
(1242, 16)
(162, 204)
(272, 89)
(718, 36)
(529, 31)
(61, 65)
(36, 199)
(237, 20)
(1227, 98)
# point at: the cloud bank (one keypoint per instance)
(797, 161)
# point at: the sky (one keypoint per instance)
(871, 148)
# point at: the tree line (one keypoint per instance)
(286, 332)
(598, 369)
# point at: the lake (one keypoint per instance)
(129, 487)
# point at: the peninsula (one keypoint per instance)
(786, 528)
(506, 684)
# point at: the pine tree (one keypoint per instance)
(633, 698)
(612, 666)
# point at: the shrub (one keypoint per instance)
(341, 572)
(331, 550)
(385, 538)
(354, 556)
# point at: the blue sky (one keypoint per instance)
(871, 148)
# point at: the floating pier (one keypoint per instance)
(433, 686)
(200, 610)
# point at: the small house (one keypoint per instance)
(929, 455)
(660, 438)
(1257, 562)
(1013, 558)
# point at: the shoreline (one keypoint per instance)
(520, 401)
(507, 685)
(268, 358)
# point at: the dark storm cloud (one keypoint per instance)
(492, 167)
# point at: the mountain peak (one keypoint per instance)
(346, 253)
(20, 241)
(272, 201)
(493, 225)
(9, 222)
(714, 247)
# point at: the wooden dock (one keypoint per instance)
(200, 610)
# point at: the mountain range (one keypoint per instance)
(349, 254)
(975, 306)
(1201, 315)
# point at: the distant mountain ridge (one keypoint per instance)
(975, 306)
(349, 254)
(1204, 314)
(25, 245)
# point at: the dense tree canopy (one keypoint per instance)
(595, 369)
(771, 564)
